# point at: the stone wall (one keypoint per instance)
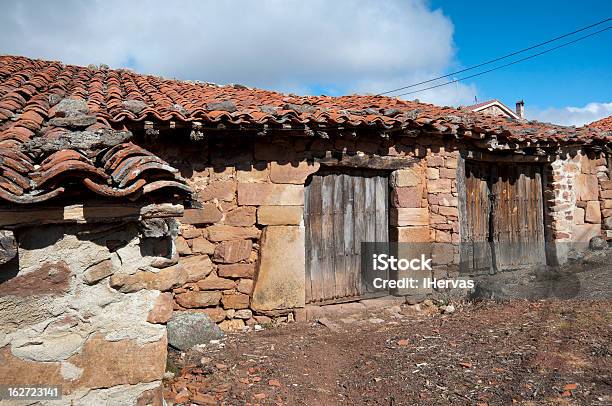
(603, 165)
(575, 182)
(248, 216)
(64, 320)
(247, 219)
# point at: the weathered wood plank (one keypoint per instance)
(340, 285)
(327, 236)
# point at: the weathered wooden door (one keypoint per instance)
(505, 216)
(342, 209)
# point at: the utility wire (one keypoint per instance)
(497, 59)
(503, 66)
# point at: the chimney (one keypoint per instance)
(520, 109)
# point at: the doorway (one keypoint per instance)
(342, 209)
(505, 216)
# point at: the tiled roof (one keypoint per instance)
(604, 124)
(42, 102)
(29, 88)
(51, 147)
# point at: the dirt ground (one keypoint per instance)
(484, 353)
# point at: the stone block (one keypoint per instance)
(606, 194)
(245, 286)
(583, 233)
(242, 216)
(435, 161)
(197, 267)
(192, 300)
(409, 216)
(229, 252)
(432, 173)
(221, 190)
(406, 177)
(448, 211)
(270, 194)
(263, 319)
(208, 214)
(213, 282)
(280, 215)
(232, 325)
(162, 309)
(99, 364)
(280, 280)
(291, 172)
(163, 280)
(439, 186)
(98, 272)
(188, 232)
(446, 200)
(444, 237)
(222, 232)
(216, 314)
(407, 196)
(257, 173)
(587, 187)
(235, 301)
(236, 271)
(448, 173)
(411, 234)
(243, 314)
(201, 245)
(593, 212)
(606, 184)
(49, 278)
(182, 247)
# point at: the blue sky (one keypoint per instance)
(571, 76)
(333, 47)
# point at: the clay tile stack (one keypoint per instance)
(33, 170)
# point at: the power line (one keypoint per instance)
(497, 59)
(505, 65)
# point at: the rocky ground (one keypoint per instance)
(546, 352)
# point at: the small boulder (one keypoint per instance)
(598, 243)
(188, 329)
(70, 107)
(135, 106)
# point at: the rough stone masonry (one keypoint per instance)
(63, 322)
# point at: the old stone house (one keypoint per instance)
(129, 198)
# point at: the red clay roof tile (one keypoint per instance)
(29, 95)
(604, 124)
(30, 91)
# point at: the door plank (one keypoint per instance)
(327, 236)
(340, 287)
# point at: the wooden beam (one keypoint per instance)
(86, 213)
(367, 161)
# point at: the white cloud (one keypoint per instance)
(572, 115)
(290, 45)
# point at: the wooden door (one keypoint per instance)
(505, 216)
(342, 209)
(476, 250)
